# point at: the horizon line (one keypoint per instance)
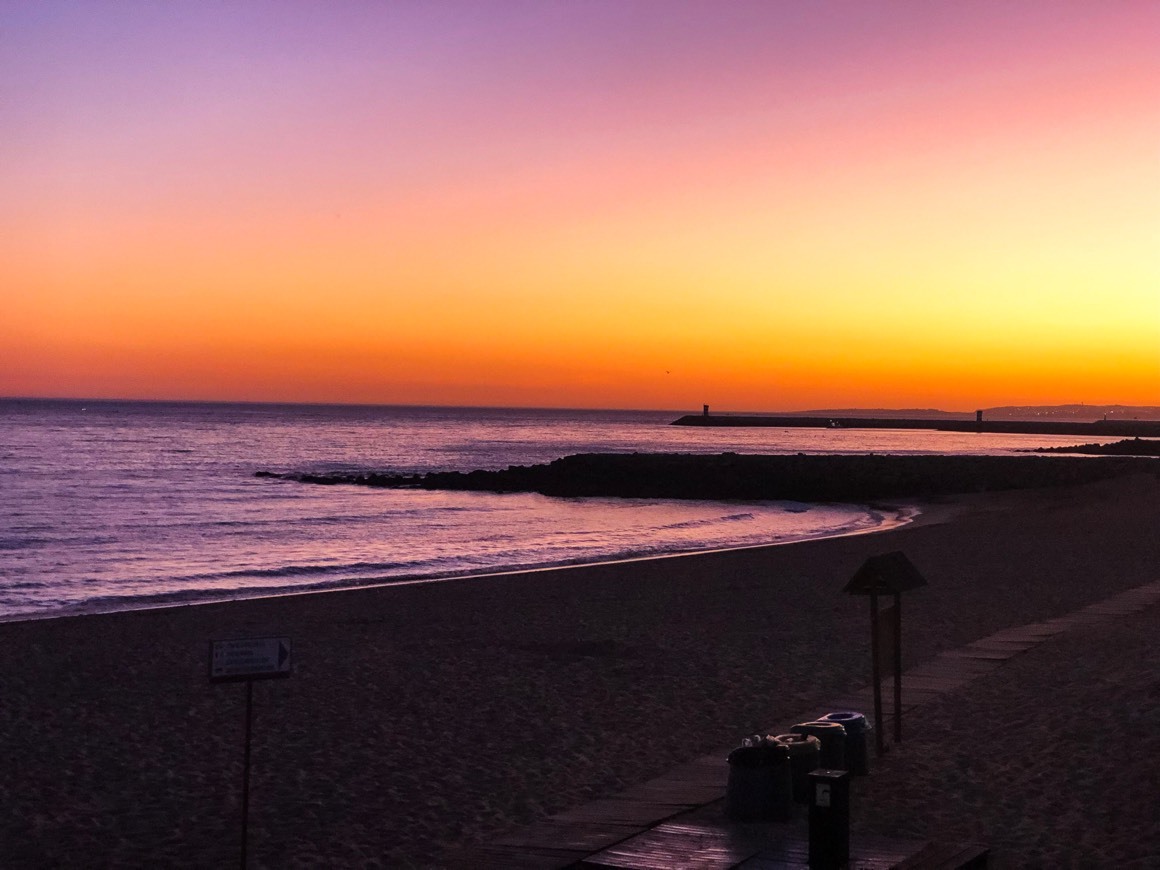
(341, 404)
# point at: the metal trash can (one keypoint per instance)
(857, 759)
(833, 739)
(760, 783)
(804, 752)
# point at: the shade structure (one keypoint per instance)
(888, 574)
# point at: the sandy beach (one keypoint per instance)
(421, 718)
(1051, 761)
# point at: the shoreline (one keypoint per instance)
(903, 515)
(423, 718)
(863, 481)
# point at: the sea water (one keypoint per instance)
(121, 505)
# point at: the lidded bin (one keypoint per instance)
(804, 753)
(760, 783)
(857, 759)
(832, 736)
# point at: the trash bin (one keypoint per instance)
(804, 752)
(760, 783)
(857, 760)
(833, 739)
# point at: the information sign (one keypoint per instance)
(249, 658)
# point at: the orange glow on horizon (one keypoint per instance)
(895, 226)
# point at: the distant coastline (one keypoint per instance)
(1100, 428)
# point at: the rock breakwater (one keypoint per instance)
(800, 477)
(1127, 447)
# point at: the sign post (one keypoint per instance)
(245, 660)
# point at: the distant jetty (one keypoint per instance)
(1100, 428)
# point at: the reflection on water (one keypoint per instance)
(114, 505)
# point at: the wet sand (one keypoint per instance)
(424, 717)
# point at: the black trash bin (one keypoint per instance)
(760, 783)
(857, 759)
(804, 752)
(833, 739)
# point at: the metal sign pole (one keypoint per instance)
(245, 660)
(246, 770)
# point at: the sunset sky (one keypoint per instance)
(759, 205)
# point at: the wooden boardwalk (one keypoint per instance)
(677, 821)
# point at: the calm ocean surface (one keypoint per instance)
(123, 505)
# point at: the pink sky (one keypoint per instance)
(757, 205)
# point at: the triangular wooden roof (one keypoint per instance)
(885, 575)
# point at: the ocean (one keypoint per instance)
(109, 505)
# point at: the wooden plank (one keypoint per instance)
(1002, 645)
(973, 857)
(678, 794)
(573, 836)
(700, 841)
(760, 862)
(503, 858)
(616, 811)
(968, 652)
(938, 685)
(790, 853)
(700, 768)
(866, 853)
(1061, 622)
(1114, 609)
(965, 670)
(709, 842)
(947, 856)
(951, 656)
(943, 663)
(919, 697)
(1004, 642)
(1040, 632)
(715, 776)
(1129, 600)
(654, 851)
(942, 684)
(1081, 618)
(981, 655)
(1027, 634)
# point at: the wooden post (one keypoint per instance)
(875, 644)
(897, 668)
